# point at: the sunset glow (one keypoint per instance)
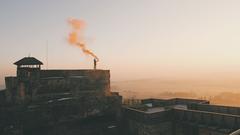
(120, 67)
(191, 40)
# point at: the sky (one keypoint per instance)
(135, 39)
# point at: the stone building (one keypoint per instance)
(32, 82)
(37, 98)
(181, 117)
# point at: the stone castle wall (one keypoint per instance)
(140, 123)
(74, 80)
(216, 108)
(196, 118)
(57, 81)
(203, 122)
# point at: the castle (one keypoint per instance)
(35, 96)
(37, 99)
(32, 82)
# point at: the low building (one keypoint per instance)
(180, 117)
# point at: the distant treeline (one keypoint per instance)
(226, 98)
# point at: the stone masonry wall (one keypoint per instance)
(139, 128)
(75, 81)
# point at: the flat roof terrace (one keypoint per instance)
(183, 112)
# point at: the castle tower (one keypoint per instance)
(28, 74)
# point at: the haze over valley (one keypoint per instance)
(218, 91)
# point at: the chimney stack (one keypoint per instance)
(95, 64)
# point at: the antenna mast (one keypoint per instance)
(47, 55)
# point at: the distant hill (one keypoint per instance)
(160, 88)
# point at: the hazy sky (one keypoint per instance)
(133, 38)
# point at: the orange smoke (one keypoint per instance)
(75, 36)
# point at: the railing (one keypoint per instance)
(237, 132)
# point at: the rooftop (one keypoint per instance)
(28, 61)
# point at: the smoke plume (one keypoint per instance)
(75, 37)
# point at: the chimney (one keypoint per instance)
(95, 64)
